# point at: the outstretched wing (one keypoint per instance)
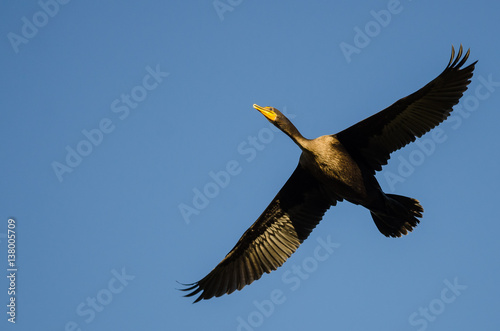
(271, 240)
(372, 140)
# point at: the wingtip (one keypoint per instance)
(452, 56)
(194, 288)
(187, 287)
(458, 61)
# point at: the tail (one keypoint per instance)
(399, 216)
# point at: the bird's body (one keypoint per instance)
(333, 168)
(340, 175)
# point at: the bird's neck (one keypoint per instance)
(297, 137)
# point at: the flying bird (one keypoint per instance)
(333, 168)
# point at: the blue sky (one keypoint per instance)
(116, 114)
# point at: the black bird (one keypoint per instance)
(333, 168)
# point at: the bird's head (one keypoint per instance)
(270, 113)
(274, 116)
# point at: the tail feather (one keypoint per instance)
(399, 216)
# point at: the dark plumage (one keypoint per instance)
(333, 168)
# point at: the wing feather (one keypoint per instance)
(372, 140)
(271, 240)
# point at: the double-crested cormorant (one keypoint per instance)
(333, 168)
